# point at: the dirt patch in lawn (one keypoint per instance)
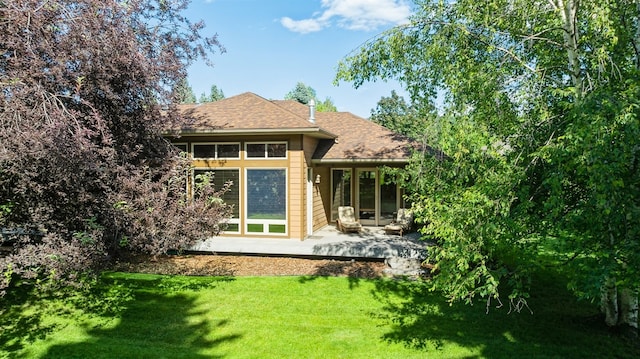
(236, 265)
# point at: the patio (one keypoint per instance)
(370, 243)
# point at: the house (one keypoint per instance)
(292, 167)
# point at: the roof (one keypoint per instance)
(246, 113)
(344, 137)
(360, 140)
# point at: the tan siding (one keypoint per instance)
(321, 198)
(296, 188)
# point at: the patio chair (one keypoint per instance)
(346, 221)
(401, 224)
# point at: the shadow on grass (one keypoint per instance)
(125, 316)
(355, 271)
(21, 319)
(559, 328)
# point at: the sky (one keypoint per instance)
(271, 45)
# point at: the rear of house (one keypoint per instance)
(291, 167)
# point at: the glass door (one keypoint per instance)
(376, 199)
(367, 206)
(388, 200)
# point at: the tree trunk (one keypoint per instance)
(620, 307)
(568, 12)
(609, 302)
(628, 308)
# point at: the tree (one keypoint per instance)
(215, 95)
(304, 94)
(185, 92)
(539, 126)
(301, 93)
(85, 172)
(396, 114)
(326, 106)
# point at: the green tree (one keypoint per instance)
(184, 93)
(326, 106)
(215, 95)
(540, 125)
(301, 93)
(396, 114)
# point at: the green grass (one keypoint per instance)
(146, 316)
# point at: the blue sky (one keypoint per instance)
(271, 45)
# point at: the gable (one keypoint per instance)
(246, 111)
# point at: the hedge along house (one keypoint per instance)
(291, 167)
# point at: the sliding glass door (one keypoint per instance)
(366, 201)
(375, 197)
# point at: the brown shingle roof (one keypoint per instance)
(360, 139)
(347, 137)
(246, 111)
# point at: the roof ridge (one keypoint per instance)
(288, 110)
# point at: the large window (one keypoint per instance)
(216, 150)
(341, 191)
(266, 201)
(266, 150)
(232, 197)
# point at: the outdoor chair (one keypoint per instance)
(401, 224)
(346, 221)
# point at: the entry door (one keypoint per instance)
(377, 198)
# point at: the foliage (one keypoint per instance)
(396, 114)
(84, 168)
(184, 92)
(539, 125)
(326, 106)
(304, 94)
(215, 95)
(301, 93)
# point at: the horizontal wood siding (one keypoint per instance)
(296, 195)
(321, 198)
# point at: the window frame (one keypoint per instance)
(266, 223)
(232, 220)
(216, 156)
(334, 214)
(266, 150)
(185, 144)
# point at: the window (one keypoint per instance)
(341, 195)
(216, 150)
(232, 197)
(267, 150)
(181, 146)
(266, 201)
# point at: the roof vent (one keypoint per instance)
(312, 111)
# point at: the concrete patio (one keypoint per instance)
(371, 243)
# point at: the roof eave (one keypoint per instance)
(312, 131)
(321, 161)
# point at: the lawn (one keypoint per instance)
(147, 316)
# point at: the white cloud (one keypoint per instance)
(302, 26)
(352, 15)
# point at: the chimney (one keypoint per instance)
(312, 111)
